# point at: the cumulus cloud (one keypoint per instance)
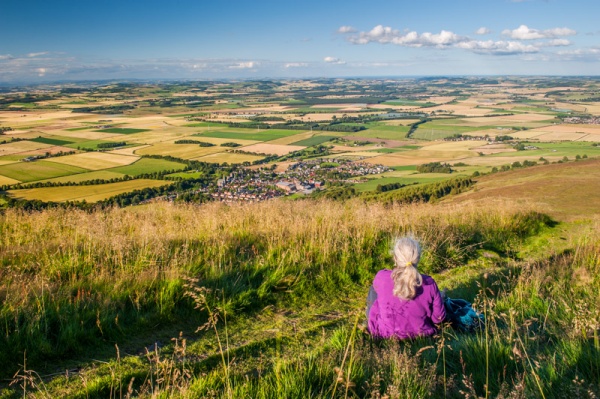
(346, 29)
(295, 65)
(498, 47)
(334, 60)
(523, 32)
(387, 35)
(483, 31)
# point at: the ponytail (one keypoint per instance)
(406, 277)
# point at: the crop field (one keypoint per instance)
(87, 176)
(184, 151)
(230, 158)
(119, 130)
(148, 165)
(51, 141)
(268, 148)
(38, 170)
(314, 140)
(21, 146)
(96, 160)
(414, 178)
(383, 131)
(90, 193)
(250, 134)
(7, 180)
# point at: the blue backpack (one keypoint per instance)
(462, 316)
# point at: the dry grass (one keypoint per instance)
(21, 146)
(184, 151)
(228, 157)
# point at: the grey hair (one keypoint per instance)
(406, 277)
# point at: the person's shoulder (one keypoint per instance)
(383, 274)
(428, 280)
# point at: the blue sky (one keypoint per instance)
(109, 39)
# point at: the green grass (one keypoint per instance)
(148, 165)
(88, 176)
(76, 129)
(250, 134)
(38, 170)
(187, 175)
(122, 130)
(409, 103)
(51, 141)
(316, 140)
(382, 131)
(372, 184)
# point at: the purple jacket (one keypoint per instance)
(393, 317)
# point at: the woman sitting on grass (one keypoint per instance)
(403, 303)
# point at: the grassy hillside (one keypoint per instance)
(266, 300)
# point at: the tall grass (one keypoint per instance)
(70, 280)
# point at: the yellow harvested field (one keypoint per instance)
(508, 119)
(128, 150)
(418, 157)
(343, 148)
(263, 148)
(7, 180)
(184, 151)
(229, 157)
(560, 136)
(526, 134)
(51, 150)
(494, 149)
(364, 154)
(91, 193)
(453, 145)
(461, 108)
(319, 117)
(96, 160)
(21, 146)
(571, 128)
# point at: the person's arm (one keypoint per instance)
(439, 311)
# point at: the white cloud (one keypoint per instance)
(295, 65)
(498, 47)
(333, 60)
(483, 31)
(523, 32)
(244, 65)
(6, 57)
(346, 29)
(387, 35)
(41, 72)
(558, 43)
(33, 55)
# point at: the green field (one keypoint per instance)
(76, 129)
(120, 130)
(416, 179)
(187, 175)
(316, 140)
(38, 170)
(382, 131)
(90, 193)
(47, 140)
(147, 165)
(409, 103)
(251, 134)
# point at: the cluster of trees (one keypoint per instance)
(112, 145)
(382, 188)
(415, 126)
(422, 193)
(104, 109)
(4, 129)
(230, 144)
(334, 126)
(200, 143)
(434, 167)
